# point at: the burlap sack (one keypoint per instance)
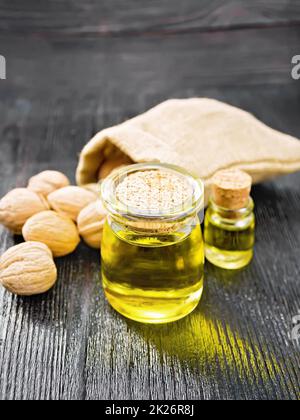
(201, 135)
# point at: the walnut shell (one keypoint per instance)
(55, 230)
(90, 224)
(46, 182)
(113, 163)
(28, 269)
(18, 206)
(70, 200)
(93, 187)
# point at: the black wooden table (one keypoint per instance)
(76, 67)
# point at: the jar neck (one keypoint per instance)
(154, 227)
(230, 214)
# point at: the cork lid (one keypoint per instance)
(154, 191)
(152, 195)
(231, 189)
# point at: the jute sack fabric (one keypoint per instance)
(202, 135)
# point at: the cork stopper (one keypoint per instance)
(231, 189)
(153, 197)
(154, 191)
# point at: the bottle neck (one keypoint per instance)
(229, 214)
(149, 228)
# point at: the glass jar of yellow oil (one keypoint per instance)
(229, 229)
(152, 246)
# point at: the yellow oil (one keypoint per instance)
(154, 278)
(229, 242)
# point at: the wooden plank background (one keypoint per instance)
(108, 17)
(76, 67)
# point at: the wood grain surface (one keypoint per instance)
(131, 17)
(76, 67)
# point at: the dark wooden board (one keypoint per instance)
(131, 17)
(68, 343)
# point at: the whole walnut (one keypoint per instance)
(55, 230)
(18, 206)
(90, 224)
(71, 200)
(28, 269)
(46, 182)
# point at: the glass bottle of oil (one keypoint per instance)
(152, 245)
(229, 230)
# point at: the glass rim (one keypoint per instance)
(244, 211)
(116, 207)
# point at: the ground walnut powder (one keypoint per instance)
(154, 191)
